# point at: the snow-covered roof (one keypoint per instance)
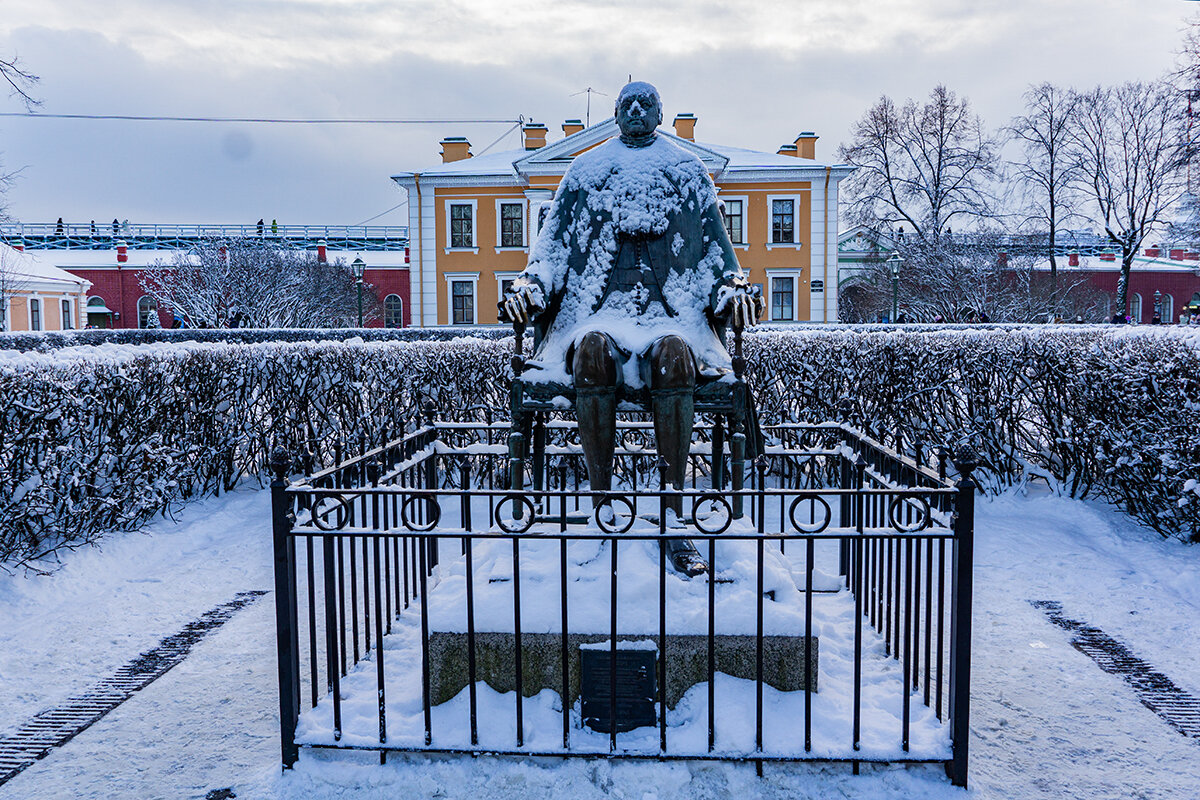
(1140, 264)
(35, 270)
(106, 259)
(555, 157)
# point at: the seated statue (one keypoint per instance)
(632, 280)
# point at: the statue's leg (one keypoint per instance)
(595, 373)
(672, 392)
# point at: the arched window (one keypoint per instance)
(67, 323)
(35, 314)
(1168, 309)
(1135, 308)
(147, 307)
(393, 311)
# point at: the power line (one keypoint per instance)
(381, 213)
(267, 120)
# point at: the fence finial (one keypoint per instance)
(966, 460)
(280, 463)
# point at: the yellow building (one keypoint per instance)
(471, 220)
(38, 296)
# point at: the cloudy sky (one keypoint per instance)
(754, 73)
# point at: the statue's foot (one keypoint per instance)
(688, 562)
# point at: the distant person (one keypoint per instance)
(901, 318)
(93, 227)
(58, 229)
(116, 227)
(260, 227)
(274, 228)
(1156, 319)
(983, 317)
(1117, 319)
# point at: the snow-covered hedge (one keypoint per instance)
(96, 438)
(49, 340)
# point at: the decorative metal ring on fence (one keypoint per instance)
(527, 510)
(341, 512)
(813, 526)
(431, 504)
(606, 502)
(716, 500)
(921, 505)
(634, 439)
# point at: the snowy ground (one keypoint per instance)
(1047, 722)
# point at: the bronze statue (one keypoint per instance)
(631, 282)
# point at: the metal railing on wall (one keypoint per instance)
(89, 236)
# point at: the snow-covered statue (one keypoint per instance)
(632, 281)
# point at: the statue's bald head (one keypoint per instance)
(638, 111)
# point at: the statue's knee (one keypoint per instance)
(594, 363)
(672, 364)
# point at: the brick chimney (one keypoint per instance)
(122, 252)
(1153, 252)
(455, 148)
(572, 126)
(787, 150)
(1108, 256)
(1073, 259)
(534, 134)
(685, 126)
(1176, 254)
(806, 144)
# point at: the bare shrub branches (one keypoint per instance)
(250, 283)
(90, 443)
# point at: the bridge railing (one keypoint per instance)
(93, 235)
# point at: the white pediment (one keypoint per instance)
(553, 159)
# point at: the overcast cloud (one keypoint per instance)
(754, 73)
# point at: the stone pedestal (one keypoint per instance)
(785, 659)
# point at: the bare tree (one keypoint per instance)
(250, 283)
(1047, 174)
(20, 82)
(12, 282)
(963, 277)
(920, 164)
(1130, 153)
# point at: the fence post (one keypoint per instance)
(962, 557)
(285, 608)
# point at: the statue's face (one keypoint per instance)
(638, 113)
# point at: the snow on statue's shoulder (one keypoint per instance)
(640, 185)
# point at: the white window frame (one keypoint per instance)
(68, 319)
(745, 201)
(793, 274)
(41, 312)
(451, 278)
(138, 308)
(513, 201)
(385, 299)
(795, 244)
(1168, 308)
(474, 204)
(1135, 308)
(501, 277)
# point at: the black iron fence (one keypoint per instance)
(373, 546)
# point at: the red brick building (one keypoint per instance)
(113, 264)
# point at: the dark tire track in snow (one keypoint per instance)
(1177, 708)
(54, 728)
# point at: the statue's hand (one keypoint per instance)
(523, 302)
(742, 302)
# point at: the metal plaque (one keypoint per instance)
(635, 683)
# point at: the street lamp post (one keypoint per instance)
(1158, 304)
(359, 266)
(894, 262)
